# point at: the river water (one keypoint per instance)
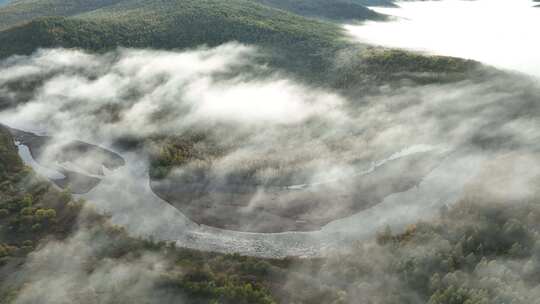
(125, 194)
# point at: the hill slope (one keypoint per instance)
(21, 11)
(333, 10)
(17, 12)
(383, 3)
(301, 43)
(303, 46)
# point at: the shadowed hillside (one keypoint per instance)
(20, 11)
(340, 10)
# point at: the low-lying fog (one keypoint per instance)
(73, 94)
(502, 33)
(281, 124)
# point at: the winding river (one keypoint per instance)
(125, 194)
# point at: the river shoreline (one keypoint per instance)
(144, 214)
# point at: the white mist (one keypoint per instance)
(502, 33)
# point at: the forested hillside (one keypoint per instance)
(310, 48)
(20, 11)
(382, 3)
(345, 10)
(303, 44)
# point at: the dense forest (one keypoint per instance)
(182, 24)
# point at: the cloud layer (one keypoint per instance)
(288, 133)
(497, 32)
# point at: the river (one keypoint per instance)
(125, 194)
